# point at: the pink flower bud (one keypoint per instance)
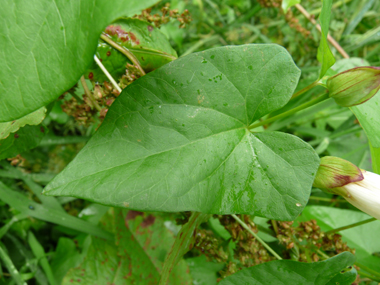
(359, 187)
(354, 86)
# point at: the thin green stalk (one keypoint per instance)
(248, 15)
(321, 253)
(89, 94)
(7, 262)
(54, 140)
(124, 51)
(290, 112)
(256, 237)
(109, 76)
(275, 227)
(337, 135)
(351, 226)
(200, 43)
(303, 90)
(369, 270)
(40, 254)
(361, 273)
(326, 199)
(6, 227)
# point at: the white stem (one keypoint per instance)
(107, 73)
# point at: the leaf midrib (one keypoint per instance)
(143, 158)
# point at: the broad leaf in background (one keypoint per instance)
(204, 272)
(34, 118)
(137, 256)
(325, 56)
(45, 52)
(66, 256)
(375, 155)
(298, 273)
(286, 4)
(146, 42)
(24, 139)
(368, 113)
(364, 239)
(177, 139)
(184, 242)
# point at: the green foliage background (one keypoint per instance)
(51, 240)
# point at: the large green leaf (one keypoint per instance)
(369, 117)
(46, 45)
(325, 56)
(364, 239)
(375, 155)
(142, 242)
(34, 118)
(24, 139)
(177, 139)
(330, 271)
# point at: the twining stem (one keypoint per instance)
(321, 253)
(124, 51)
(105, 71)
(89, 94)
(329, 38)
(256, 237)
(361, 273)
(291, 112)
(275, 227)
(337, 135)
(351, 226)
(323, 199)
(201, 43)
(307, 88)
(369, 270)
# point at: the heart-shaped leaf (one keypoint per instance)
(47, 45)
(178, 139)
(331, 271)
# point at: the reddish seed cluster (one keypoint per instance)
(309, 241)
(117, 31)
(166, 14)
(17, 160)
(120, 34)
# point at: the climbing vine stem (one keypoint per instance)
(351, 226)
(124, 51)
(256, 237)
(303, 90)
(89, 94)
(291, 112)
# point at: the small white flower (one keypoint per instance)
(359, 187)
(365, 194)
